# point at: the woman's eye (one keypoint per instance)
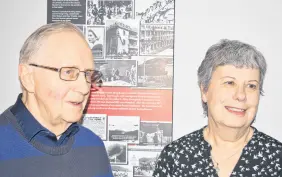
(229, 83)
(252, 86)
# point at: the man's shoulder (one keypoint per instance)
(6, 131)
(88, 137)
(4, 117)
(3, 120)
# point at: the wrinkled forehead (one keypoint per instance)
(65, 49)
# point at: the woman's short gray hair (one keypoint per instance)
(33, 42)
(229, 52)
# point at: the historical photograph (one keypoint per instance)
(96, 123)
(117, 152)
(122, 171)
(144, 162)
(95, 38)
(130, 105)
(122, 38)
(155, 11)
(156, 40)
(155, 133)
(155, 72)
(124, 128)
(118, 72)
(98, 11)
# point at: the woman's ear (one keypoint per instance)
(204, 94)
(26, 77)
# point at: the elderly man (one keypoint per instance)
(39, 134)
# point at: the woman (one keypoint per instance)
(231, 81)
(97, 49)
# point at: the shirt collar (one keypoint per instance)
(31, 127)
(250, 146)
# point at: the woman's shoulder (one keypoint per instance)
(186, 142)
(266, 141)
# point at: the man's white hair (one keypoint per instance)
(34, 41)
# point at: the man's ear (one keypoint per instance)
(26, 77)
(204, 94)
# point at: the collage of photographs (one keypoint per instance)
(132, 42)
(133, 146)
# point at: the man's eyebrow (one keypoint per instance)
(71, 66)
(75, 66)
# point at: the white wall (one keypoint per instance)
(199, 24)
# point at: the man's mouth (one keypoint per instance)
(236, 111)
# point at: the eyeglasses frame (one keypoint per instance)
(59, 71)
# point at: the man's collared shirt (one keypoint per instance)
(33, 130)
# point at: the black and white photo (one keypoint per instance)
(122, 171)
(122, 38)
(155, 72)
(132, 43)
(124, 128)
(95, 38)
(155, 11)
(155, 133)
(118, 72)
(98, 11)
(95, 12)
(156, 40)
(96, 123)
(144, 160)
(141, 171)
(117, 152)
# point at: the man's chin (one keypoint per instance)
(73, 119)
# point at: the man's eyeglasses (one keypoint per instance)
(72, 73)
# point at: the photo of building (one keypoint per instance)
(121, 39)
(156, 40)
(155, 72)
